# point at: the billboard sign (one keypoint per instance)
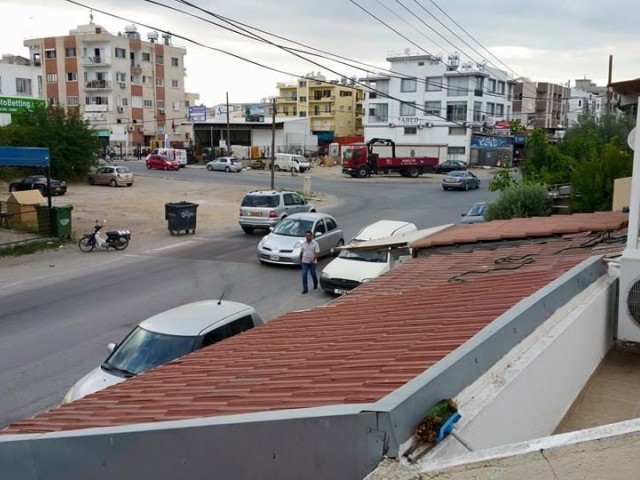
(19, 104)
(198, 113)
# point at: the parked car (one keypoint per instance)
(460, 180)
(39, 182)
(162, 163)
(164, 337)
(177, 154)
(111, 175)
(289, 162)
(450, 166)
(475, 214)
(350, 269)
(264, 209)
(282, 245)
(225, 164)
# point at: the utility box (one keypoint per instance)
(21, 207)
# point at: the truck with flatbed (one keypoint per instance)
(360, 160)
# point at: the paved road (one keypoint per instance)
(55, 327)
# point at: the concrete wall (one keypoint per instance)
(621, 193)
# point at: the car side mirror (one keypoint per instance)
(463, 214)
(111, 347)
(271, 229)
(317, 234)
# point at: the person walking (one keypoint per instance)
(309, 251)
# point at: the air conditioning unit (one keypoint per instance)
(392, 125)
(120, 109)
(629, 298)
(428, 124)
(130, 128)
(123, 85)
(161, 111)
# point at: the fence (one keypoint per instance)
(23, 223)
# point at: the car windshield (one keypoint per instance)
(143, 350)
(476, 210)
(267, 201)
(379, 256)
(293, 227)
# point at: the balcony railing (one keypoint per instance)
(88, 61)
(98, 84)
(322, 99)
(96, 108)
(287, 99)
(377, 119)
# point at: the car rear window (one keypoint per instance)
(123, 170)
(260, 201)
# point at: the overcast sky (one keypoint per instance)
(545, 40)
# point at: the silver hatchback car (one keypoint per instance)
(111, 175)
(282, 245)
(225, 164)
(264, 209)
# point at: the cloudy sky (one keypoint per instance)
(544, 40)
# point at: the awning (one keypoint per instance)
(396, 241)
(24, 156)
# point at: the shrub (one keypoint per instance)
(520, 200)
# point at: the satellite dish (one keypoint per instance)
(631, 139)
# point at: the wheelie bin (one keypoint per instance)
(181, 216)
(61, 221)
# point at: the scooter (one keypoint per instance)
(116, 239)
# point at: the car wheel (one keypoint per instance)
(277, 168)
(166, 168)
(362, 172)
(210, 168)
(129, 184)
(113, 183)
(91, 181)
(149, 166)
(339, 244)
(227, 169)
(413, 172)
(13, 188)
(247, 230)
(444, 188)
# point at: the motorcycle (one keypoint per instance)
(116, 239)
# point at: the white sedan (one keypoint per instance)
(225, 164)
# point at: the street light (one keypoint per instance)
(273, 142)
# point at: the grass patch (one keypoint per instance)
(32, 246)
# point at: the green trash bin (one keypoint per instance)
(61, 221)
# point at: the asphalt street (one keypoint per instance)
(54, 327)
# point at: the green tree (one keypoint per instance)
(71, 143)
(545, 163)
(501, 181)
(520, 200)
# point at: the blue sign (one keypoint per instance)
(198, 113)
(490, 142)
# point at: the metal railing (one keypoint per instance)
(19, 223)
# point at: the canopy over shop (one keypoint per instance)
(28, 157)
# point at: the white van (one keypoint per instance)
(178, 154)
(350, 269)
(289, 162)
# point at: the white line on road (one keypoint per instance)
(167, 247)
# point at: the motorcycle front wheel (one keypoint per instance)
(86, 245)
(121, 244)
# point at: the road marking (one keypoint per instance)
(167, 247)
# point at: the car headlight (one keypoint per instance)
(325, 276)
(365, 280)
(68, 397)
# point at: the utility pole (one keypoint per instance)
(273, 143)
(228, 128)
(609, 83)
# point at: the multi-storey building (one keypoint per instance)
(334, 107)
(524, 101)
(128, 89)
(20, 86)
(551, 105)
(427, 101)
(586, 100)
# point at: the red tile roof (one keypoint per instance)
(358, 348)
(522, 228)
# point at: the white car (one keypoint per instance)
(350, 269)
(164, 337)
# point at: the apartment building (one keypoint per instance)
(20, 86)
(128, 89)
(586, 100)
(429, 101)
(334, 107)
(551, 105)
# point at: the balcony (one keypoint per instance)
(321, 114)
(95, 61)
(98, 85)
(96, 108)
(331, 98)
(136, 69)
(287, 99)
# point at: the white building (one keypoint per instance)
(20, 86)
(583, 103)
(430, 101)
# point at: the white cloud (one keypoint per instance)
(545, 40)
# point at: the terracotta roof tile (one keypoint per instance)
(521, 228)
(356, 349)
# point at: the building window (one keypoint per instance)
(378, 112)
(457, 131)
(491, 109)
(410, 130)
(457, 86)
(456, 151)
(159, 82)
(501, 88)
(457, 111)
(69, 52)
(49, 54)
(327, 108)
(492, 85)
(176, 106)
(175, 84)
(477, 111)
(302, 113)
(433, 84)
(53, 101)
(146, 79)
(499, 110)
(23, 86)
(174, 62)
(408, 85)
(148, 103)
(159, 60)
(432, 108)
(136, 102)
(303, 100)
(345, 94)
(72, 76)
(160, 104)
(407, 110)
(121, 53)
(303, 83)
(121, 77)
(125, 101)
(72, 101)
(52, 77)
(146, 57)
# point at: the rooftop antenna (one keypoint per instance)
(90, 17)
